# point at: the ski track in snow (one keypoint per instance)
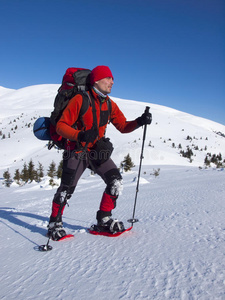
(175, 251)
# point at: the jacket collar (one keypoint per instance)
(98, 96)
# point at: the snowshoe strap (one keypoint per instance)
(116, 226)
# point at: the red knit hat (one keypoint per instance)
(99, 73)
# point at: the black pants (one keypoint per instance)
(73, 168)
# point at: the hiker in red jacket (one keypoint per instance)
(90, 129)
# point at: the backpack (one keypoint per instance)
(75, 81)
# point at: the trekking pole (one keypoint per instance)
(133, 220)
(47, 247)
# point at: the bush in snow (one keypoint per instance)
(155, 172)
(127, 163)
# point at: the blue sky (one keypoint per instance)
(168, 52)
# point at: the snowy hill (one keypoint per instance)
(175, 251)
(4, 90)
(169, 129)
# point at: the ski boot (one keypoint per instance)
(56, 231)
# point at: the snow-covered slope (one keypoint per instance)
(169, 129)
(4, 90)
(175, 251)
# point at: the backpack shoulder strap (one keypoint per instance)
(92, 102)
(85, 103)
(109, 108)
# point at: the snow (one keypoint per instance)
(175, 251)
(4, 91)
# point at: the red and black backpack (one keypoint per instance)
(75, 81)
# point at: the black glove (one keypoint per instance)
(88, 136)
(144, 119)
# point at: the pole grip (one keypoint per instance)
(147, 108)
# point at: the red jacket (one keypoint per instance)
(70, 116)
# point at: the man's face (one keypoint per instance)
(104, 85)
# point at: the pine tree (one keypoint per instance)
(36, 179)
(127, 163)
(24, 173)
(207, 161)
(17, 176)
(52, 170)
(7, 177)
(31, 171)
(219, 157)
(187, 154)
(52, 173)
(214, 159)
(40, 172)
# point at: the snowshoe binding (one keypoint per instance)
(56, 231)
(107, 224)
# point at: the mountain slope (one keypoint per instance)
(175, 251)
(167, 133)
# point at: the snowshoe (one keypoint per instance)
(56, 231)
(95, 230)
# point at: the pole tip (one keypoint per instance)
(44, 248)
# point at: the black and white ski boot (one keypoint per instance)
(56, 231)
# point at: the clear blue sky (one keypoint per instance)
(168, 52)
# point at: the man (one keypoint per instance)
(88, 133)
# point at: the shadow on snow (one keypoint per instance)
(13, 216)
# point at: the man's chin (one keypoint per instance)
(107, 92)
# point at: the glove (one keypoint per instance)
(144, 119)
(88, 135)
